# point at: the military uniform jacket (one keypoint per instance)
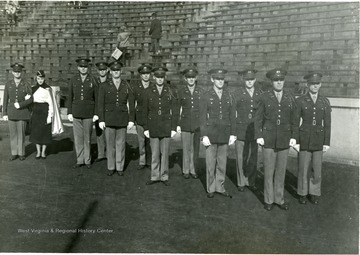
(12, 95)
(155, 29)
(139, 95)
(217, 117)
(245, 113)
(276, 122)
(113, 109)
(160, 111)
(83, 97)
(189, 106)
(315, 128)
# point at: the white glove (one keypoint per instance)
(297, 147)
(206, 141)
(95, 118)
(27, 97)
(325, 148)
(173, 133)
(232, 139)
(6, 118)
(292, 142)
(130, 125)
(70, 117)
(178, 129)
(102, 125)
(146, 133)
(17, 106)
(48, 120)
(260, 141)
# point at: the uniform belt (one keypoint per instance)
(312, 123)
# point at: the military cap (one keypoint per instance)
(83, 62)
(218, 73)
(249, 74)
(313, 77)
(102, 65)
(115, 66)
(277, 73)
(190, 72)
(145, 68)
(160, 71)
(17, 67)
(40, 73)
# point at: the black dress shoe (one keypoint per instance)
(99, 159)
(111, 172)
(210, 195)
(194, 176)
(151, 182)
(302, 200)
(186, 176)
(314, 199)
(268, 207)
(252, 188)
(22, 158)
(43, 157)
(77, 166)
(120, 173)
(241, 188)
(140, 167)
(13, 157)
(284, 206)
(225, 194)
(37, 157)
(88, 166)
(166, 183)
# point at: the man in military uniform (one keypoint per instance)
(160, 106)
(17, 97)
(314, 138)
(217, 126)
(115, 117)
(189, 126)
(245, 99)
(102, 68)
(139, 88)
(82, 112)
(276, 129)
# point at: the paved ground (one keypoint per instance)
(45, 206)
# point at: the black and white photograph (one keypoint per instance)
(195, 127)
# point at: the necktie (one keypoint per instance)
(278, 96)
(313, 97)
(251, 92)
(219, 93)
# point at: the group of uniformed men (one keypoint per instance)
(248, 117)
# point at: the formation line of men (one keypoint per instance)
(216, 117)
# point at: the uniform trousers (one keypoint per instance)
(190, 143)
(275, 162)
(216, 158)
(155, 44)
(100, 141)
(309, 181)
(82, 139)
(144, 147)
(159, 146)
(246, 162)
(115, 148)
(17, 137)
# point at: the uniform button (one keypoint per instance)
(251, 100)
(314, 113)
(279, 104)
(251, 110)
(314, 108)
(279, 110)
(251, 106)
(279, 116)
(192, 106)
(220, 102)
(314, 117)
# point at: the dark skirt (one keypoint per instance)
(40, 131)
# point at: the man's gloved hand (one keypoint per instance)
(70, 117)
(325, 148)
(48, 120)
(232, 139)
(260, 141)
(130, 125)
(147, 133)
(178, 129)
(5, 118)
(173, 133)
(297, 147)
(292, 142)
(95, 118)
(102, 125)
(17, 106)
(206, 141)
(27, 97)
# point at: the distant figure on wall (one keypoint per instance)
(123, 43)
(11, 11)
(155, 31)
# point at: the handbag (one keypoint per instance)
(117, 53)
